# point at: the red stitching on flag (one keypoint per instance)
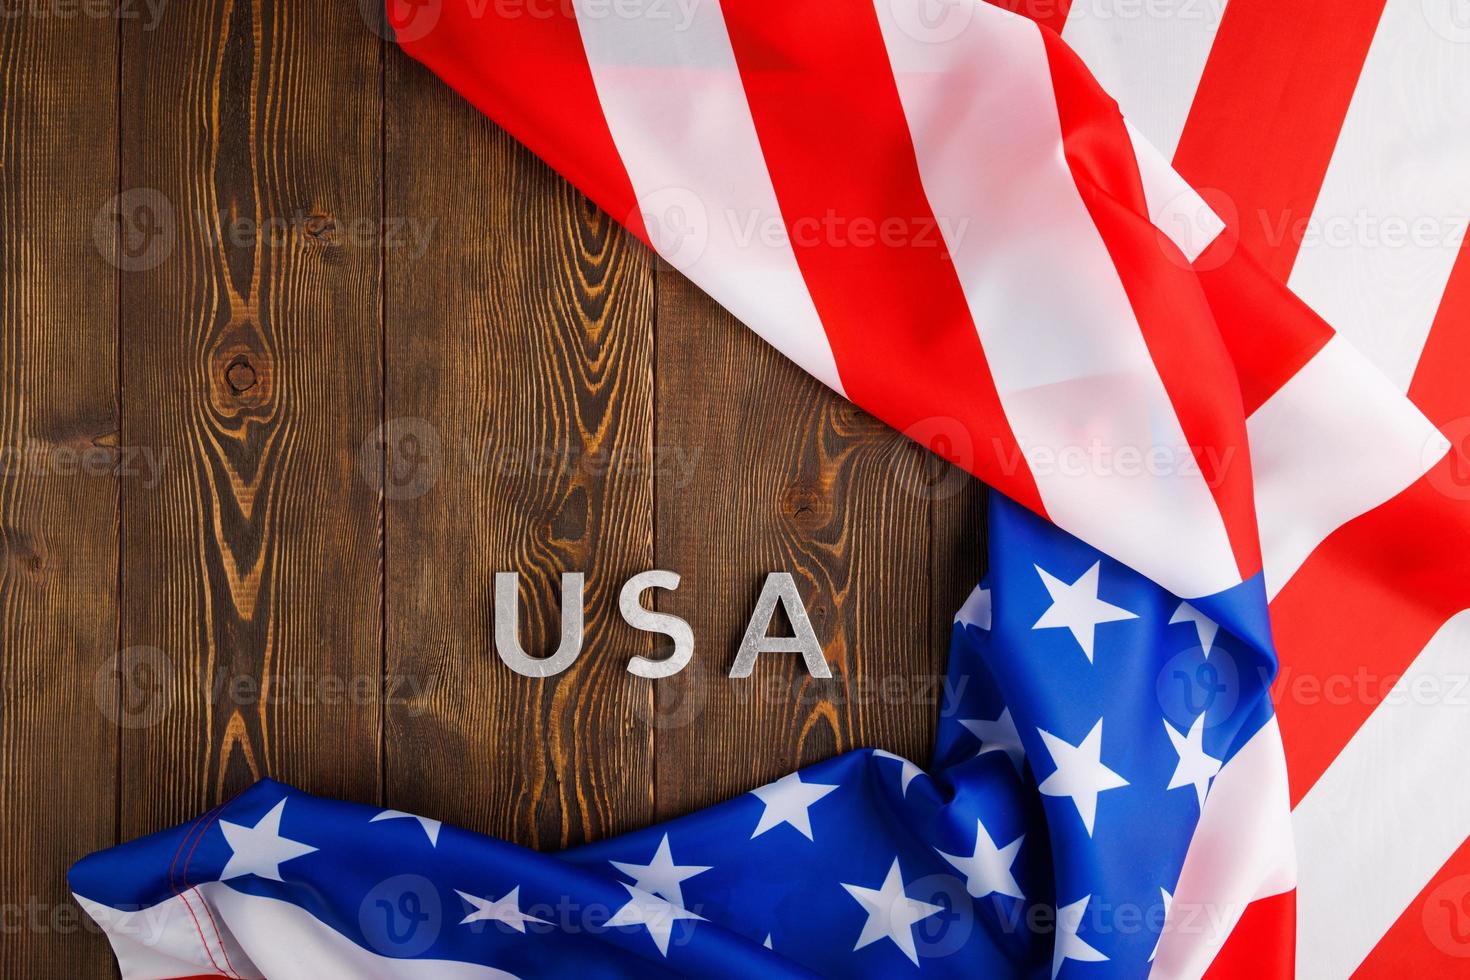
(202, 825)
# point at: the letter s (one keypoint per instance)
(655, 622)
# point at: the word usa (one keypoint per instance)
(779, 588)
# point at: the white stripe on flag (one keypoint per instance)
(1394, 204)
(1388, 813)
(1148, 55)
(1242, 851)
(1331, 444)
(1174, 207)
(262, 937)
(1070, 364)
(672, 95)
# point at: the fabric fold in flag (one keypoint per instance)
(950, 229)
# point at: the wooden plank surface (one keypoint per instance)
(767, 471)
(58, 483)
(251, 357)
(520, 350)
(376, 353)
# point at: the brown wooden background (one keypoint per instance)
(552, 398)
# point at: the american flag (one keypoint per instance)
(1209, 350)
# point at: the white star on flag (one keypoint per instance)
(891, 913)
(988, 868)
(431, 827)
(999, 735)
(1077, 607)
(653, 913)
(1069, 945)
(506, 910)
(661, 876)
(1163, 927)
(907, 771)
(977, 610)
(1080, 773)
(1204, 626)
(260, 850)
(1195, 768)
(788, 800)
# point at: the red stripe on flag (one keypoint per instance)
(1268, 110)
(837, 146)
(1173, 313)
(1263, 943)
(1432, 936)
(530, 75)
(1374, 593)
(1270, 333)
(1362, 608)
(1439, 387)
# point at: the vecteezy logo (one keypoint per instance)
(1450, 473)
(1450, 19)
(932, 21)
(134, 231)
(404, 21)
(677, 705)
(677, 223)
(944, 932)
(401, 916)
(132, 687)
(945, 474)
(1191, 685)
(1201, 225)
(402, 457)
(1446, 917)
(1200, 689)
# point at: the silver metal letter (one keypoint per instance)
(655, 622)
(779, 586)
(507, 638)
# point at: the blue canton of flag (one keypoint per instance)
(1088, 717)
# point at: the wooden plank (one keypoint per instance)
(58, 480)
(787, 477)
(520, 354)
(957, 542)
(250, 356)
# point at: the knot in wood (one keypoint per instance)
(320, 229)
(804, 502)
(240, 375)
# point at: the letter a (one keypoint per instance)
(779, 587)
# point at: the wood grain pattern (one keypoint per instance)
(789, 478)
(521, 345)
(377, 353)
(58, 491)
(251, 358)
(957, 546)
